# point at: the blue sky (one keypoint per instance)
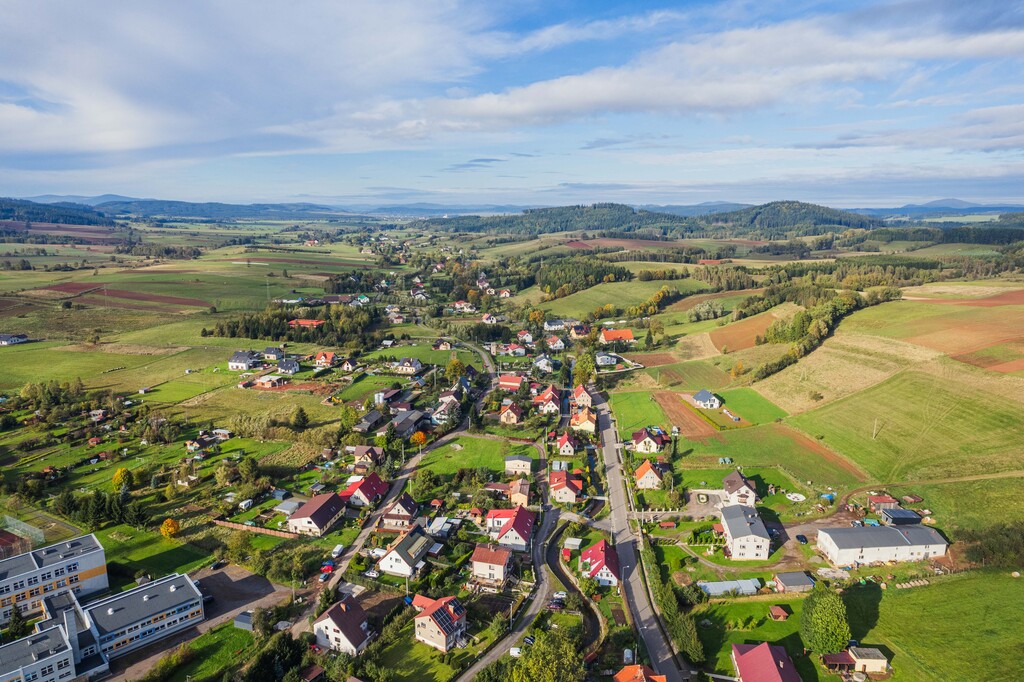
(526, 102)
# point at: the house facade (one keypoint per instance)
(317, 516)
(441, 623)
(510, 528)
(343, 628)
(407, 555)
(492, 566)
(647, 476)
(601, 563)
(706, 399)
(746, 537)
(738, 490)
(518, 465)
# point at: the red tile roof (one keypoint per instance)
(638, 673)
(370, 486)
(599, 555)
(566, 437)
(608, 335)
(519, 519)
(491, 554)
(763, 663)
(644, 468)
(562, 479)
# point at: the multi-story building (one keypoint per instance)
(745, 534)
(45, 656)
(78, 565)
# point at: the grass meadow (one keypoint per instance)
(635, 410)
(475, 453)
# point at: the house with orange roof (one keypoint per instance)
(647, 476)
(565, 487)
(608, 336)
(511, 528)
(585, 420)
(638, 673)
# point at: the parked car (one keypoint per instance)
(528, 641)
(515, 652)
(324, 577)
(802, 539)
(338, 549)
(327, 569)
(555, 606)
(372, 574)
(560, 595)
(218, 565)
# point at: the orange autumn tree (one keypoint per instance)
(169, 528)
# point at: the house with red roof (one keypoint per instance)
(491, 566)
(565, 487)
(549, 401)
(305, 324)
(365, 492)
(581, 396)
(441, 623)
(343, 627)
(511, 528)
(511, 414)
(647, 476)
(317, 516)
(601, 563)
(649, 440)
(638, 673)
(567, 445)
(608, 336)
(510, 382)
(763, 662)
(324, 359)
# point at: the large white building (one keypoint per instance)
(745, 535)
(78, 565)
(76, 641)
(869, 544)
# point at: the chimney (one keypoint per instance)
(110, 611)
(145, 597)
(173, 588)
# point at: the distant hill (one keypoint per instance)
(779, 218)
(78, 199)
(437, 210)
(776, 220)
(706, 208)
(63, 214)
(598, 217)
(218, 211)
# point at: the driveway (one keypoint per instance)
(234, 590)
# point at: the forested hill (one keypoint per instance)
(218, 211)
(776, 220)
(600, 217)
(779, 218)
(63, 214)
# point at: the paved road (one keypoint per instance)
(540, 597)
(659, 649)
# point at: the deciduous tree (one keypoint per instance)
(170, 528)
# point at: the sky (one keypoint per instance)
(538, 102)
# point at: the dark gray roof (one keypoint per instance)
(245, 356)
(413, 546)
(31, 649)
(883, 536)
(865, 653)
(703, 395)
(900, 513)
(795, 579)
(288, 366)
(114, 613)
(741, 521)
(60, 553)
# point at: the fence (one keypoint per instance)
(255, 529)
(25, 530)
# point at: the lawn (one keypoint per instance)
(690, 376)
(635, 410)
(149, 551)
(919, 425)
(215, 649)
(475, 453)
(410, 660)
(425, 354)
(747, 403)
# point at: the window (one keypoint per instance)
(19, 584)
(46, 576)
(47, 670)
(5, 589)
(72, 567)
(33, 580)
(63, 664)
(59, 571)
(73, 579)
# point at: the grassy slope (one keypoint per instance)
(619, 293)
(634, 411)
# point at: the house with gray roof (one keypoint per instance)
(12, 339)
(288, 367)
(406, 556)
(793, 581)
(706, 399)
(874, 544)
(745, 534)
(244, 360)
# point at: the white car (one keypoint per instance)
(560, 595)
(372, 574)
(515, 652)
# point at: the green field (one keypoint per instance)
(475, 453)
(968, 504)
(633, 411)
(924, 426)
(690, 376)
(959, 628)
(748, 404)
(621, 294)
(767, 445)
(425, 354)
(149, 551)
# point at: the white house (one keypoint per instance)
(406, 556)
(511, 528)
(601, 563)
(491, 566)
(647, 476)
(745, 535)
(343, 627)
(871, 544)
(706, 399)
(317, 516)
(738, 490)
(244, 360)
